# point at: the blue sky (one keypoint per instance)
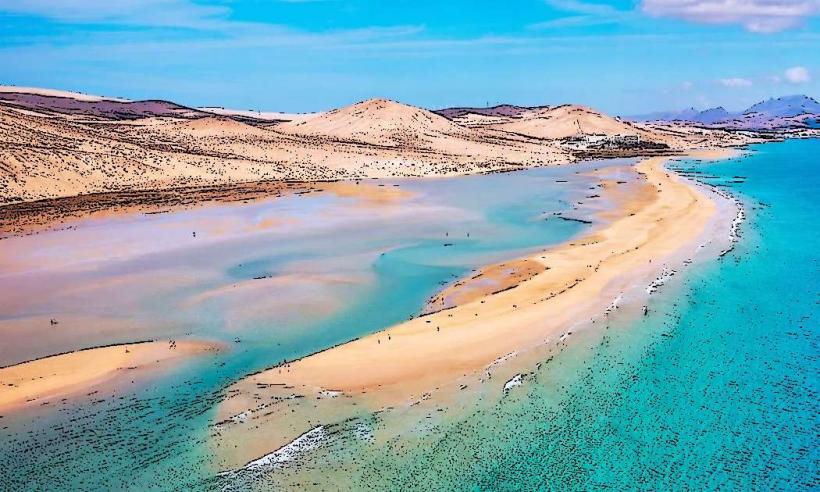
(625, 57)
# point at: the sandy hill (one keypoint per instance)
(49, 151)
(414, 131)
(567, 121)
(213, 126)
(473, 120)
(376, 121)
(47, 155)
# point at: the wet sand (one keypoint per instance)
(44, 380)
(486, 282)
(578, 281)
(26, 218)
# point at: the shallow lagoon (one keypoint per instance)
(272, 280)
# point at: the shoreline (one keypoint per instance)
(18, 219)
(50, 214)
(406, 362)
(54, 214)
(56, 377)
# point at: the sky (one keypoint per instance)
(625, 57)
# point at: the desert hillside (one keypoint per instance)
(567, 121)
(378, 122)
(50, 154)
(57, 144)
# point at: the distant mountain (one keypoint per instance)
(798, 111)
(708, 116)
(93, 106)
(502, 110)
(786, 107)
(713, 115)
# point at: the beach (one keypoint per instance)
(576, 282)
(500, 275)
(314, 245)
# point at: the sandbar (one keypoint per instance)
(39, 381)
(554, 290)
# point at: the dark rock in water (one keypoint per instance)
(573, 219)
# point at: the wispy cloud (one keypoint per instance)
(582, 14)
(172, 23)
(793, 75)
(755, 15)
(149, 13)
(736, 82)
(797, 75)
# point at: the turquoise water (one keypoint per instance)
(154, 433)
(716, 389)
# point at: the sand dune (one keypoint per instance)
(567, 121)
(42, 156)
(378, 122)
(214, 126)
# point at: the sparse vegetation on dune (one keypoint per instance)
(52, 152)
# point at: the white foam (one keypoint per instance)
(664, 277)
(239, 478)
(329, 394)
(740, 217)
(516, 380)
(502, 359)
(734, 231)
(306, 442)
(615, 303)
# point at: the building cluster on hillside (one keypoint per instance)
(602, 141)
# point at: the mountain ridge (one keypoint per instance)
(793, 111)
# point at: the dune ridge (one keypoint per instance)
(57, 144)
(568, 121)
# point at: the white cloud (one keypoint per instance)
(754, 15)
(736, 82)
(797, 75)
